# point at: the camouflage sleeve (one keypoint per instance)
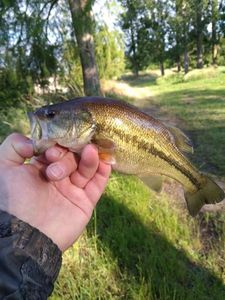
(29, 260)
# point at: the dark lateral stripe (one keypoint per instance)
(175, 164)
(152, 150)
(141, 144)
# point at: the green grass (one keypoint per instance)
(13, 119)
(139, 244)
(198, 100)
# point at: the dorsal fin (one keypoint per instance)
(181, 140)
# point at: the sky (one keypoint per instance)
(107, 12)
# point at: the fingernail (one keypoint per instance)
(56, 171)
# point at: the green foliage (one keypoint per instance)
(71, 71)
(178, 31)
(135, 34)
(109, 56)
(26, 57)
(14, 119)
(109, 52)
(13, 87)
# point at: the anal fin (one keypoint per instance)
(154, 182)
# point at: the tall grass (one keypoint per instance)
(139, 246)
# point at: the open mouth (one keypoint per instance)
(39, 134)
(36, 129)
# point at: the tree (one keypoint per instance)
(180, 26)
(159, 13)
(109, 51)
(83, 25)
(214, 7)
(131, 23)
(175, 23)
(146, 27)
(200, 20)
(25, 42)
(183, 12)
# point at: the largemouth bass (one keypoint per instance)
(132, 141)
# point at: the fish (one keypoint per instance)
(130, 140)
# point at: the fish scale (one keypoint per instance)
(144, 157)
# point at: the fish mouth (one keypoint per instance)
(39, 134)
(36, 129)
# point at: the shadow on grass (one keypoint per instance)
(201, 96)
(150, 260)
(202, 113)
(143, 80)
(209, 145)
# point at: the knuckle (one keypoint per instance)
(13, 137)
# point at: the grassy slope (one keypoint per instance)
(199, 101)
(139, 245)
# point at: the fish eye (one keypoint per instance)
(50, 114)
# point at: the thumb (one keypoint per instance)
(16, 148)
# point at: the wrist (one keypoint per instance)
(32, 243)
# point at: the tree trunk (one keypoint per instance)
(214, 7)
(162, 68)
(185, 25)
(186, 62)
(199, 51)
(178, 52)
(133, 47)
(82, 24)
(178, 64)
(199, 39)
(178, 35)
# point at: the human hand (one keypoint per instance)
(52, 192)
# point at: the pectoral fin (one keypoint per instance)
(181, 140)
(106, 148)
(107, 158)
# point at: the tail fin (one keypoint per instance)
(210, 193)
